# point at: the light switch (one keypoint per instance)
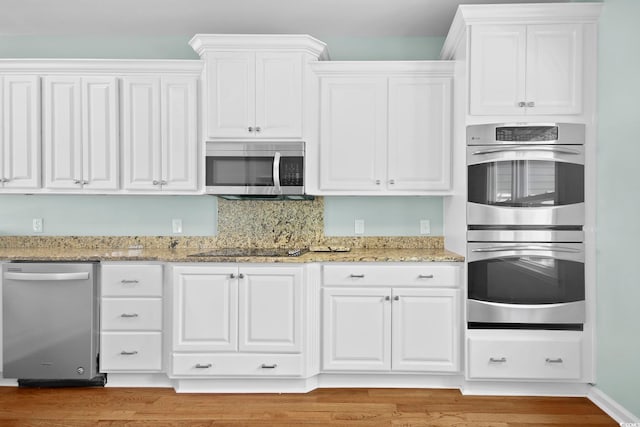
(38, 225)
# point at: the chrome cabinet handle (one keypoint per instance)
(396, 298)
(5, 180)
(232, 276)
(496, 360)
(240, 276)
(526, 248)
(128, 353)
(250, 128)
(129, 281)
(377, 182)
(531, 104)
(557, 360)
(425, 276)
(129, 315)
(357, 276)
(258, 129)
(155, 182)
(77, 181)
(387, 298)
(203, 366)
(265, 366)
(392, 181)
(163, 182)
(522, 104)
(521, 148)
(85, 182)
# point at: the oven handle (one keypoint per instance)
(524, 148)
(276, 172)
(526, 248)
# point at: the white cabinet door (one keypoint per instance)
(179, 134)
(419, 153)
(205, 309)
(353, 133)
(426, 330)
(230, 95)
(270, 316)
(497, 71)
(278, 95)
(141, 133)
(356, 332)
(554, 69)
(20, 134)
(62, 132)
(100, 133)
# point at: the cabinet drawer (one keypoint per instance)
(131, 280)
(538, 358)
(391, 275)
(207, 364)
(130, 351)
(131, 314)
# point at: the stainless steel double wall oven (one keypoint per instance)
(525, 215)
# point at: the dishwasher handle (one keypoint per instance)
(9, 275)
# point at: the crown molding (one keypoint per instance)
(371, 68)
(101, 66)
(203, 43)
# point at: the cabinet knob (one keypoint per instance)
(5, 180)
(163, 182)
(77, 181)
(85, 182)
(387, 298)
(232, 276)
(258, 129)
(531, 104)
(396, 298)
(155, 182)
(250, 128)
(240, 276)
(392, 181)
(377, 182)
(522, 104)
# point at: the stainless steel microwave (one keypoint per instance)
(254, 168)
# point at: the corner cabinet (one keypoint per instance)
(385, 128)
(19, 132)
(237, 320)
(391, 318)
(254, 85)
(160, 133)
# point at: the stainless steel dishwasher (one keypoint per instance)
(50, 323)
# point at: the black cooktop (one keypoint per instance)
(257, 252)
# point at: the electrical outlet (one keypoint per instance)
(358, 226)
(38, 224)
(425, 226)
(176, 226)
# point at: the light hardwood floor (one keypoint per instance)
(324, 407)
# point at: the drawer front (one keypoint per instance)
(525, 359)
(131, 314)
(130, 351)
(131, 280)
(207, 364)
(392, 275)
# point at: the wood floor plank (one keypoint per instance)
(157, 407)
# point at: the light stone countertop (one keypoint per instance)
(182, 255)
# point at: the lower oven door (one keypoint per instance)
(526, 283)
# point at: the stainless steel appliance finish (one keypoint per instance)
(255, 168)
(50, 321)
(533, 176)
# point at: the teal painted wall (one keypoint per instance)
(151, 215)
(618, 211)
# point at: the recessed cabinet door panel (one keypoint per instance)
(21, 132)
(419, 133)
(278, 95)
(179, 136)
(205, 309)
(100, 133)
(141, 133)
(270, 315)
(353, 133)
(425, 330)
(554, 68)
(498, 62)
(62, 132)
(231, 95)
(356, 330)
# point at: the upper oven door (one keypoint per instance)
(525, 185)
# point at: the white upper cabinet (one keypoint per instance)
(80, 133)
(526, 69)
(20, 133)
(160, 140)
(385, 128)
(254, 85)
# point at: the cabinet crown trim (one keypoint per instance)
(101, 66)
(528, 13)
(384, 68)
(203, 43)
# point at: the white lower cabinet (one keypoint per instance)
(377, 327)
(236, 320)
(131, 318)
(524, 355)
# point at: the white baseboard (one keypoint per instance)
(611, 407)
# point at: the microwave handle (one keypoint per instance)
(525, 148)
(276, 172)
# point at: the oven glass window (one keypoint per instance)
(526, 183)
(240, 171)
(526, 280)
